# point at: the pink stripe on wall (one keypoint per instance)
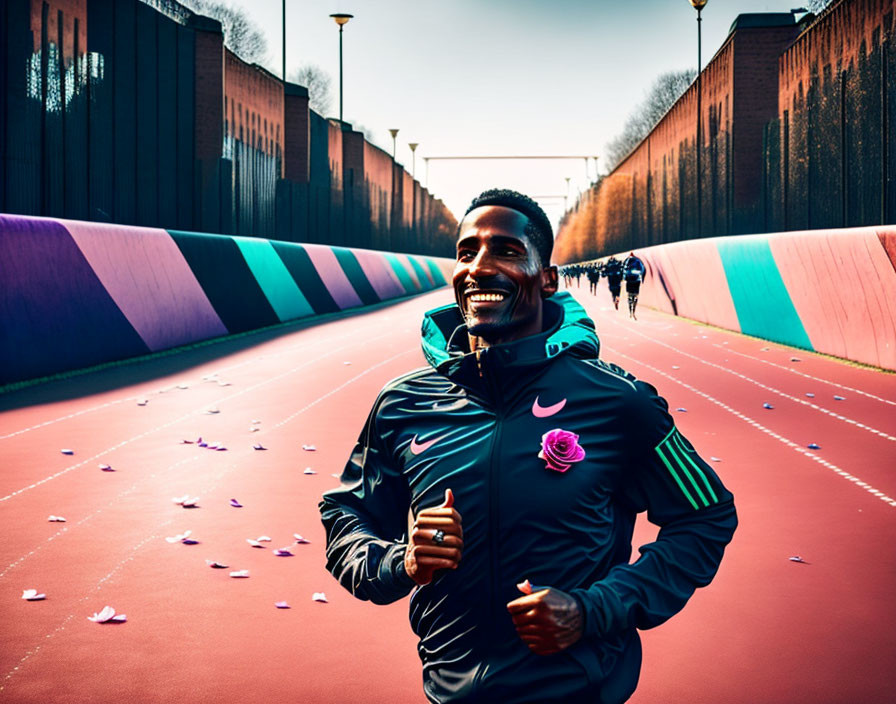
(379, 273)
(146, 275)
(694, 277)
(843, 287)
(332, 275)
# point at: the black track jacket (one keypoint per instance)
(447, 426)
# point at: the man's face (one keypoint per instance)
(499, 279)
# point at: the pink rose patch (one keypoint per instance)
(560, 449)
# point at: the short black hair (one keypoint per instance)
(538, 229)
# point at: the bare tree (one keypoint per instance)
(816, 6)
(241, 35)
(318, 83)
(666, 89)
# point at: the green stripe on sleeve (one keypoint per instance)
(678, 481)
(699, 470)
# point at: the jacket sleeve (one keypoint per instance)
(366, 522)
(681, 494)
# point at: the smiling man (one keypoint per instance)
(501, 485)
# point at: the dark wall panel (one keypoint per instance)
(167, 121)
(124, 77)
(184, 176)
(303, 271)
(147, 162)
(356, 275)
(227, 280)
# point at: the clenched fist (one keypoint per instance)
(546, 620)
(436, 542)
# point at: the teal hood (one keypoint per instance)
(568, 330)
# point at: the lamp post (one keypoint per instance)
(394, 133)
(284, 41)
(341, 19)
(698, 5)
(413, 146)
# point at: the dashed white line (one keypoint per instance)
(795, 446)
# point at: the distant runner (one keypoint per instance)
(613, 273)
(633, 270)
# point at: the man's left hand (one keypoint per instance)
(547, 620)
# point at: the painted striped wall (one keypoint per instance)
(75, 294)
(830, 291)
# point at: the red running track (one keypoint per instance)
(767, 630)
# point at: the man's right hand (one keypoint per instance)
(424, 556)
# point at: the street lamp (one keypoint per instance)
(698, 5)
(394, 133)
(341, 19)
(413, 146)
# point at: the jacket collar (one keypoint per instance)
(568, 330)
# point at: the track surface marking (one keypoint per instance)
(767, 629)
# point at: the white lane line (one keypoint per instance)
(343, 385)
(68, 527)
(292, 349)
(773, 390)
(99, 585)
(808, 376)
(795, 446)
(266, 381)
(205, 491)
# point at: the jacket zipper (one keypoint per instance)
(493, 491)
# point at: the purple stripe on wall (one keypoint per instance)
(147, 276)
(379, 274)
(55, 315)
(333, 276)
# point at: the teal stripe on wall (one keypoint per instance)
(436, 273)
(421, 275)
(401, 273)
(274, 278)
(763, 305)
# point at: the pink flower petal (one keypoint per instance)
(235, 503)
(32, 595)
(254, 543)
(300, 539)
(56, 519)
(319, 596)
(259, 446)
(67, 451)
(283, 552)
(308, 470)
(309, 448)
(216, 565)
(106, 468)
(240, 574)
(281, 604)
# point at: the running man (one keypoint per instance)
(500, 484)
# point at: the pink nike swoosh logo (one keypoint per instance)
(545, 411)
(418, 447)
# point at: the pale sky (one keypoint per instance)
(490, 77)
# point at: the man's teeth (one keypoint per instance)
(483, 297)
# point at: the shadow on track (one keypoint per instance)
(113, 375)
